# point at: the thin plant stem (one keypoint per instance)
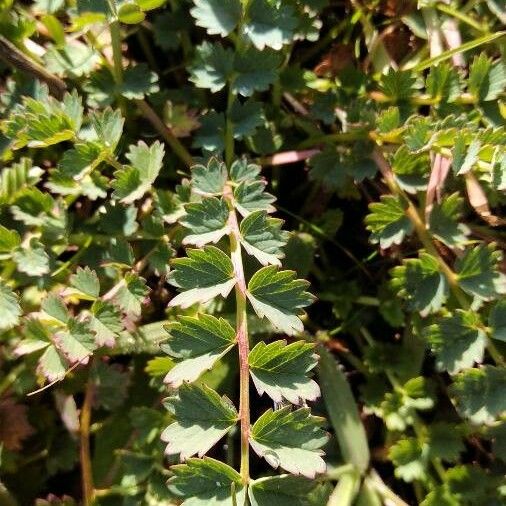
(174, 143)
(84, 436)
(229, 130)
(241, 334)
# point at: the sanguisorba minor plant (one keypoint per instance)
(230, 207)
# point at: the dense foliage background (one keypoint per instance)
(379, 128)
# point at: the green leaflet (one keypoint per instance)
(458, 341)
(10, 310)
(210, 179)
(497, 321)
(206, 220)
(108, 126)
(478, 274)
(279, 297)
(282, 490)
(218, 17)
(250, 197)
(9, 240)
(206, 482)
(76, 342)
(388, 222)
(203, 275)
(198, 343)
(479, 393)
(54, 306)
(86, 282)
(410, 459)
(262, 237)
(202, 418)
(280, 370)
(134, 180)
(290, 440)
(132, 295)
(269, 24)
(32, 258)
(444, 221)
(421, 283)
(105, 322)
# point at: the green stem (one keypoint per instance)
(229, 130)
(84, 435)
(242, 334)
(116, 51)
(176, 146)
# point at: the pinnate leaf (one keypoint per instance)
(198, 343)
(202, 418)
(290, 440)
(279, 297)
(281, 369)
(201, 276)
